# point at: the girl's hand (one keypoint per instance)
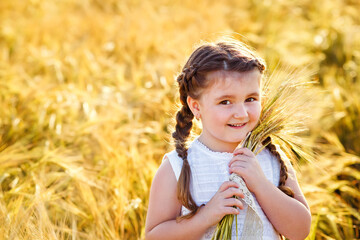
(222, 203)
(245, 164)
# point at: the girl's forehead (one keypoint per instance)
(223, 79)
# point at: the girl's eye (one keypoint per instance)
(225, 102)
(250, 99)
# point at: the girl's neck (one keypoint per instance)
(217, 146)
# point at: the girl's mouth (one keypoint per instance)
(238, 125)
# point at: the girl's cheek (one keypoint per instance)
(257, 111)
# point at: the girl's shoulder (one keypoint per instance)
(175, 162)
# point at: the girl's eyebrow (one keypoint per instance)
(256, 94)
(224, 96)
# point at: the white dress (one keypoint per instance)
(209, 170)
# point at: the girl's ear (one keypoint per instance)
(194, 106)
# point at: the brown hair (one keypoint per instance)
(223, 55)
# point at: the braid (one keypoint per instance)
(283, 168)
(183, 128)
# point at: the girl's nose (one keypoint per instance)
(240, 111)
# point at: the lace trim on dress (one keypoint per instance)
(206, 149)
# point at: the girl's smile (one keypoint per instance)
(237, 125)
(229, 108)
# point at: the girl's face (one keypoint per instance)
(229, 108)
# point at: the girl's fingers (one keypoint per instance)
(243, 151)
(228, 184)
(241, 163)
(233, 202)
(230, 192)
(238, 170)
(240, 158)
(231, 210)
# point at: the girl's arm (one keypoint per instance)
(164, 207)
(291, 217)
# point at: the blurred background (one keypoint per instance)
(87, 97)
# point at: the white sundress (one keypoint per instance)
(209, 170)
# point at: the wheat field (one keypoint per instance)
(88, 96)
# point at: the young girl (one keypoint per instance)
(191, 192)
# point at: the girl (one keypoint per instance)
(220, 86)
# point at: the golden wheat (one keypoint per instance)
(87, 95)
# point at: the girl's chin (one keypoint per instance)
(233, 144)
(238, 139)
